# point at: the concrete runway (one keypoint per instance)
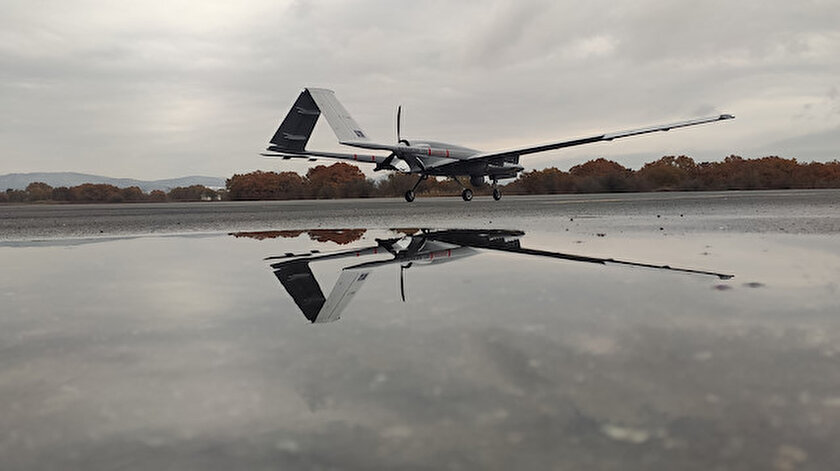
(809, 210)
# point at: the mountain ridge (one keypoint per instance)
(19, 181)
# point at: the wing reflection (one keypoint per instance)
(410, 248)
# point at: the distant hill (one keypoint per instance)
(19, 181)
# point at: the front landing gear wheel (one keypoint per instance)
(497, 195)
(409, 196)
(466, 194)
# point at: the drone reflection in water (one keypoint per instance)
(409, 248)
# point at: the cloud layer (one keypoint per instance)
(162, 89)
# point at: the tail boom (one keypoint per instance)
(286, 155)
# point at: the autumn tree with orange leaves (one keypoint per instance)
(601, 175)
(339, 180)
(261, 185)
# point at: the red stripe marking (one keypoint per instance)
(449, 253)
(430, 151)
(447, 152)
(373, 158)
(355, 157)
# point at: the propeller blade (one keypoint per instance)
(399, 114)
(402, 283)
(402, 279)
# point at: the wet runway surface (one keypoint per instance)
(181, 336)
(811, 211)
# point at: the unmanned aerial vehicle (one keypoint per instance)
(422, 157)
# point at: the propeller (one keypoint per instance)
(403, 268)
(399, 119)
(386, 164)
(399, 113)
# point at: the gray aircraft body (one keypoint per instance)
(422, 157)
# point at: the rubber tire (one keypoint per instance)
(409, 196)
(467, 194)
(497, 195)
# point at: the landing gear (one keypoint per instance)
(497, 194)
(409, 195)
(466, 193)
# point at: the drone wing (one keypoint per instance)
(602, 261)
(516, 152)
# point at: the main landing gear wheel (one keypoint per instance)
(409, 195)
(497, 195)
(466, 194)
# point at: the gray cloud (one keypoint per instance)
(183, 87)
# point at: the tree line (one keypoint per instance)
(681, 173)
(341, 180)
(670, 173)
(105, 193)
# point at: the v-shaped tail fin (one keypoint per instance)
(294, 131)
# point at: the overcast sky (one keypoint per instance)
(159, 89)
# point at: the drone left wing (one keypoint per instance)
(516, 152)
